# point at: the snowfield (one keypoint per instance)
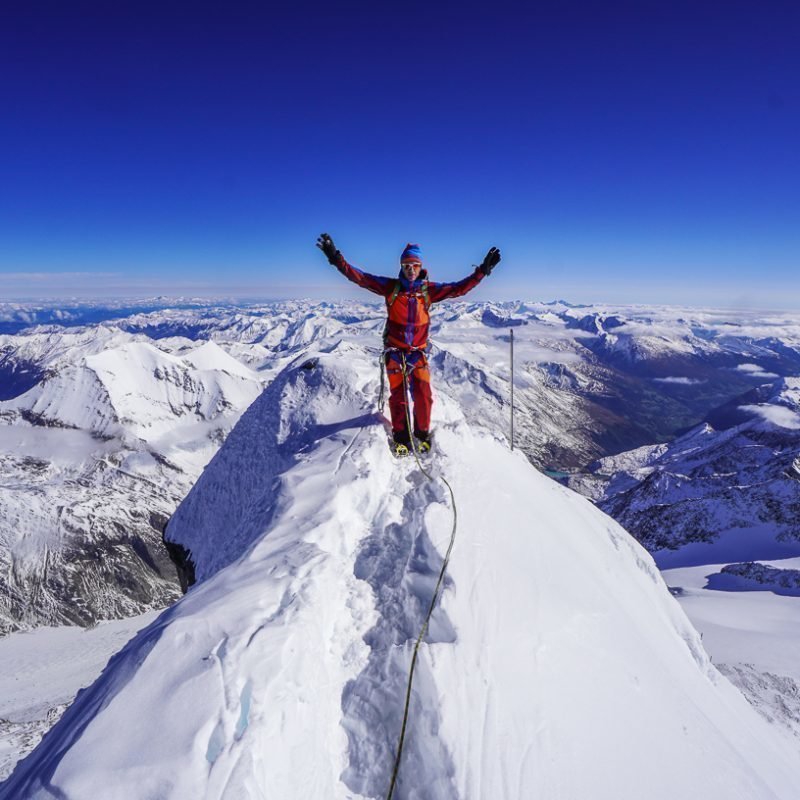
(558, 665)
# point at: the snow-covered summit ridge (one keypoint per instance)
(281, 426)
(557, 664)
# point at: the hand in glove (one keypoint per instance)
(490, 262)
(325, 243)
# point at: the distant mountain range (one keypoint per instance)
(105, 427)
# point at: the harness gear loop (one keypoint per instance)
(436, 590)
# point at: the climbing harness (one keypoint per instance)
(436, 590)
(382, 366)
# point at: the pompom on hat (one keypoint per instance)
(411, 253)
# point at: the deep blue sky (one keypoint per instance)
(615, 152)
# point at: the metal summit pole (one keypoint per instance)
(512, 388)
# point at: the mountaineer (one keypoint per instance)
(408, 297)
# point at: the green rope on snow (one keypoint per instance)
(436, 591)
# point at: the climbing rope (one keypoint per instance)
(436, 591)
(382, 369)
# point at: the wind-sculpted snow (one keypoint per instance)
(557, 665)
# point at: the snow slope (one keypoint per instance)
(558, 664)
(41, 672)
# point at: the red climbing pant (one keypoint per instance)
(419, 384)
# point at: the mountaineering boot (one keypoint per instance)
(400, 450)
(402, 441)
(424, 441)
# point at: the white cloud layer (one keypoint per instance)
(756, 371)
(778, 415)
(681, 381)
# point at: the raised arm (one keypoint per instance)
(444, 291)
(373, 283)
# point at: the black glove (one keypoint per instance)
(490, 262)
(325, 243)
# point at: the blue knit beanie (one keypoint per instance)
(411, 253)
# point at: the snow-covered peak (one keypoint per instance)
(138, 390)
(51, 347)
(557, 664)
(210, 356)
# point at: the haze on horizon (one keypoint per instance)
(86, 288)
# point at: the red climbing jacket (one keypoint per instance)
(406, 337)
(407, 303)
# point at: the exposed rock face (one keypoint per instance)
(80, 545)
(775, 697)
(752, 575)
(181, 558)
